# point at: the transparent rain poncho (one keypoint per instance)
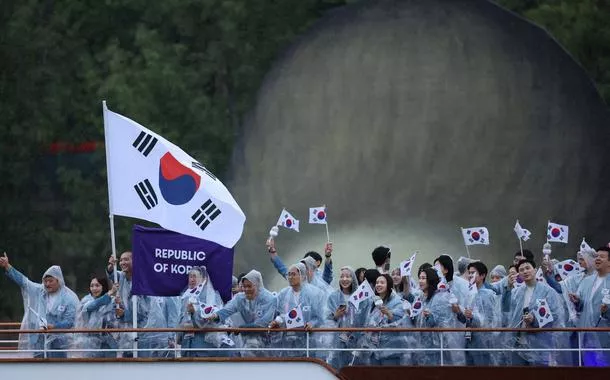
(485, 314)
(386, 340)
(202, 296)
(571, 284)
(42, 309)
(591, 300)
(312, 303)
(541, 342)
(95, 313)
(440, 317)
(258, 312)
(353, 317)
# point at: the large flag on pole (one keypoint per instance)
(152, 179)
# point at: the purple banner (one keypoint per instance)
(162, 260)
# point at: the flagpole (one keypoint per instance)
(110, 214)
(465, 245)
(520, 245)
(327, 234)
(467, 251)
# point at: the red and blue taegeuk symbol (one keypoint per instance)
(555, 232)
(178, 183)
(475, 235)
(292, 314)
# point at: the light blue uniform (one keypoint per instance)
(386, 339)
(590, 316)
(258, 312)
(96, 313)
(539, 341)
(57, 309)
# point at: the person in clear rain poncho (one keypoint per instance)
(49, 305)
(480, 311)
(342, 313)
(311, 302)
(256, 306)
(458, 289)
(435, 313)
(197, 302)
(96, 311)
(385, 311)
(523, 303)
(592, 300)
(123, 306)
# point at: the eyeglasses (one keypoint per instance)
(292, 274)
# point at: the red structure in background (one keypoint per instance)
(67, 147)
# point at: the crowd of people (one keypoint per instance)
(441, 294)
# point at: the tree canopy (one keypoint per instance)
(188, 69)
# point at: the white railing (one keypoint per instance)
(309, 350)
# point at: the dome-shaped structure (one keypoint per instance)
(412, 118)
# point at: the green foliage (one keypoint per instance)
(188, 69)
(582, 27)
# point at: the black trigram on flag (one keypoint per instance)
(206, 214)
(145, 143)
(147, 194)
(197, 165)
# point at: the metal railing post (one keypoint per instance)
(442, 356)
(579, 350)
(44, 345)
(307, 343)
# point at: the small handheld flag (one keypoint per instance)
(286, 220)
(294, 318)
(405, 266)
(567, 268)
(317, 215)
(363, 292)
(557, 233)
(475, 235)
(542, 313)
(521, 232)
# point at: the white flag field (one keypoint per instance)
(152, 179)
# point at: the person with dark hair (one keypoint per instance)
(524, 300)
(279, 265)
(360, 274)
(381, 257)
(96, 312)
(342, 313)
(397, 283)
(526, 254)
(371, 275)
(480, 312)
(423, 267)
(458, 287)
(435, 314)
(592, 300)
(385, 311)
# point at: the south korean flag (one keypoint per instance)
(294, 318)
(567, 268)
(417, 307)
(557, 233)
(206, 311)
(361, 294)
(543, 313)
(152, 179)
(475, 235)
(286, 220)
(405, 266)
(317, 215)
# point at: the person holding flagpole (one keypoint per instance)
(327, 274)
(47, 306)
(123, 302)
